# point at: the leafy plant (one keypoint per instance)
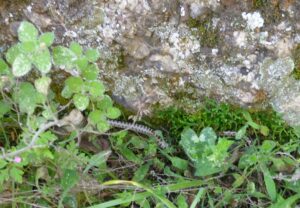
(207, 154)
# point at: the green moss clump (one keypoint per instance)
(223, 117)
(269, 9)
(296, 54)
(208, 34)
(257, 4)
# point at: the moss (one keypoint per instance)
(257, 4)
(121, 59)
(269, 9)
(296, 56)
(208, 34)
(222, 117)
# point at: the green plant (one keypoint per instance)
(207, 154)
(29, 108)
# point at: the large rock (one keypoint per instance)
(175, 52)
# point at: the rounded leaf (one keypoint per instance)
(105, 103)
(103, 126)
(96, 116)
(90, 72)
(76, 48)
(27, 32)
(47, 38)
(42, 85)
(81, 102)
(75, 84)
(21, 66)
(92, 55)
(12, 53)
(96, 88)
(42, 61)
(63, 57)
(113, 113)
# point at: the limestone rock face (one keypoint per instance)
(176, 52)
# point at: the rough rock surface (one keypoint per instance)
(179, 51)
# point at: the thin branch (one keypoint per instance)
(35, 137)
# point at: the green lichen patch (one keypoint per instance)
(209, 36)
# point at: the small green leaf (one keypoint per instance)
(4, 108)
(92, 55)
(4, 175)
(181, 201)
(21, 66)
(75, 84)
(12, 53)
(253, 125)
(42, 61)
(241, 132)
(103, 126)
(27, 32)
(129, 155)
(76, 48)
(267, 146)
(16, 174)
(208, 135)
(179, 163)
(81, 63)
(69, 179)
(3, 163)
(27, 97)
(81, 102)
(97, 160)
(141, 172)
(47, 38)
(113, 113)
(4, 69)
(42, 85)
(96, 116)
(28, 47)
(63, 57)
(269, 182)
(95, 88)
(105, 103)
(264, 130)
(90, 72)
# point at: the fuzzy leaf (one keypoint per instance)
(95, 88)
(92, 55)
(21, 66)
(42, 85)
(75, 84)
(47, 38)
(63, 57)
(113, 113)
(81, 102)
(42, 61)
(12, 53)
(76, 48)
(27, 32)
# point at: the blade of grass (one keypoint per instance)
(140, 196)
(197, 198)
(164, 200)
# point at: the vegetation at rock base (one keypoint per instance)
(59, 150)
